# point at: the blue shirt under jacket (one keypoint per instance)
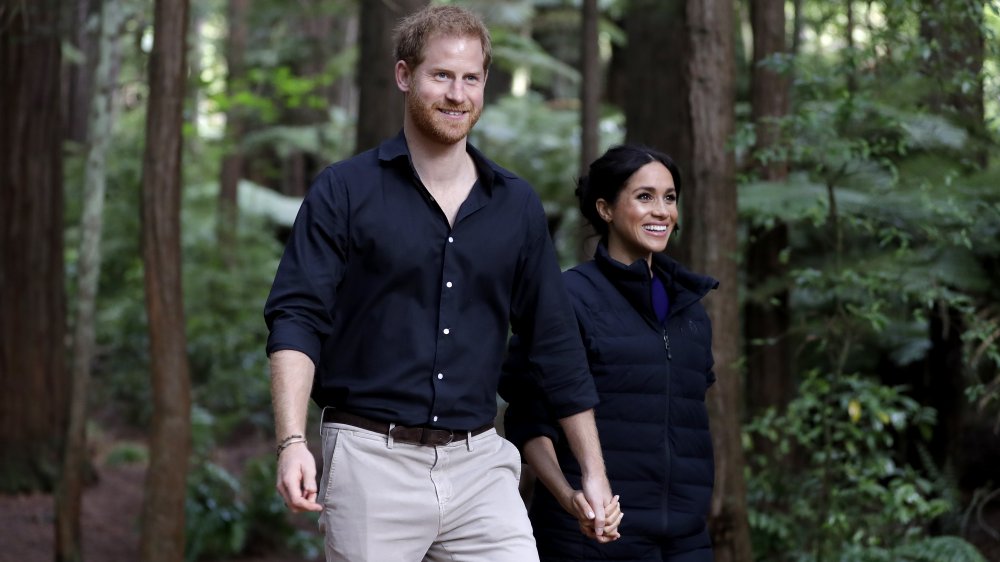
(407, 317)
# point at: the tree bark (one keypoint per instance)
(78, 86)
(688, 112)
(75, 461)
(162, 534)
(380, 105)
(953, 29)
(590, 107)
(232, 162)
(590, 86)
(769, 375)
(33, 378)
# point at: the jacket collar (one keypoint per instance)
(632, 280)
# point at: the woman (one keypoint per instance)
(649, 347)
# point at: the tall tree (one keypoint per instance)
(590, 86)
(953, 32)
(590, 106)
(380, 105)
(33, 380)
(766, 320)
(68, 500)
(78, 80)
(232, 162)
(689, 113)
(162, 536)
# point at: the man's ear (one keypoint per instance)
(403, 75)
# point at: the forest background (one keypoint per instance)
(841, 181)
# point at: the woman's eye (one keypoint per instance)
(645, 196)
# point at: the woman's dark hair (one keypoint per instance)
(609, 174)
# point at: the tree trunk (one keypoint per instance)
(162, 534)
(75, 461)
(33, 380)
(850, 64)
(953, 29)
(689, 113)
(657, 104)
(380, 105)
(590, 106)
(78, 85)
(590, 86)
(769, 375)
(232, 162)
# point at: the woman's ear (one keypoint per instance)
(603, 210)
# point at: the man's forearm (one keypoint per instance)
(291, 383)
(581, 432)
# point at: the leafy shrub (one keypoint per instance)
(823, 483)
(127, 453)
(215, 515)
(226, 516)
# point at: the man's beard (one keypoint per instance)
(433, 125)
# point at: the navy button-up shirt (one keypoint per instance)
(407, 317)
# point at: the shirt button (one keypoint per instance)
(450, 239)
(448, 284)
(440, 376)
(435, 418)
(446, 331)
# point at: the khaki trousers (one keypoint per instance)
(387, 501)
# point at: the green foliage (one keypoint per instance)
(215, 515)
(127, 453)
(927, 549)
(823, 482)
(886, 230)
(226, 516)
(225, 290)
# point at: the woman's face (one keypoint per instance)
(643, 216)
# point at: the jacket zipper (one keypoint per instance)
(666, 437)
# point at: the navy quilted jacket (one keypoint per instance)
(652, 418)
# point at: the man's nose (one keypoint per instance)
(457, 91)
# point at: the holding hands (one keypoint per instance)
(575, 503)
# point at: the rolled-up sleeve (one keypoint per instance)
(543, 319)
(299, 309)
(527, 414)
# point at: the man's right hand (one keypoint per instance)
(576, 504)
(297, 478)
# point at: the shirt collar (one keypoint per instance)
(396, 149)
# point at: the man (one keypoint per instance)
(391, 307)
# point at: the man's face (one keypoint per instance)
(444, 93)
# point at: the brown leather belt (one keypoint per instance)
(418, 435)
